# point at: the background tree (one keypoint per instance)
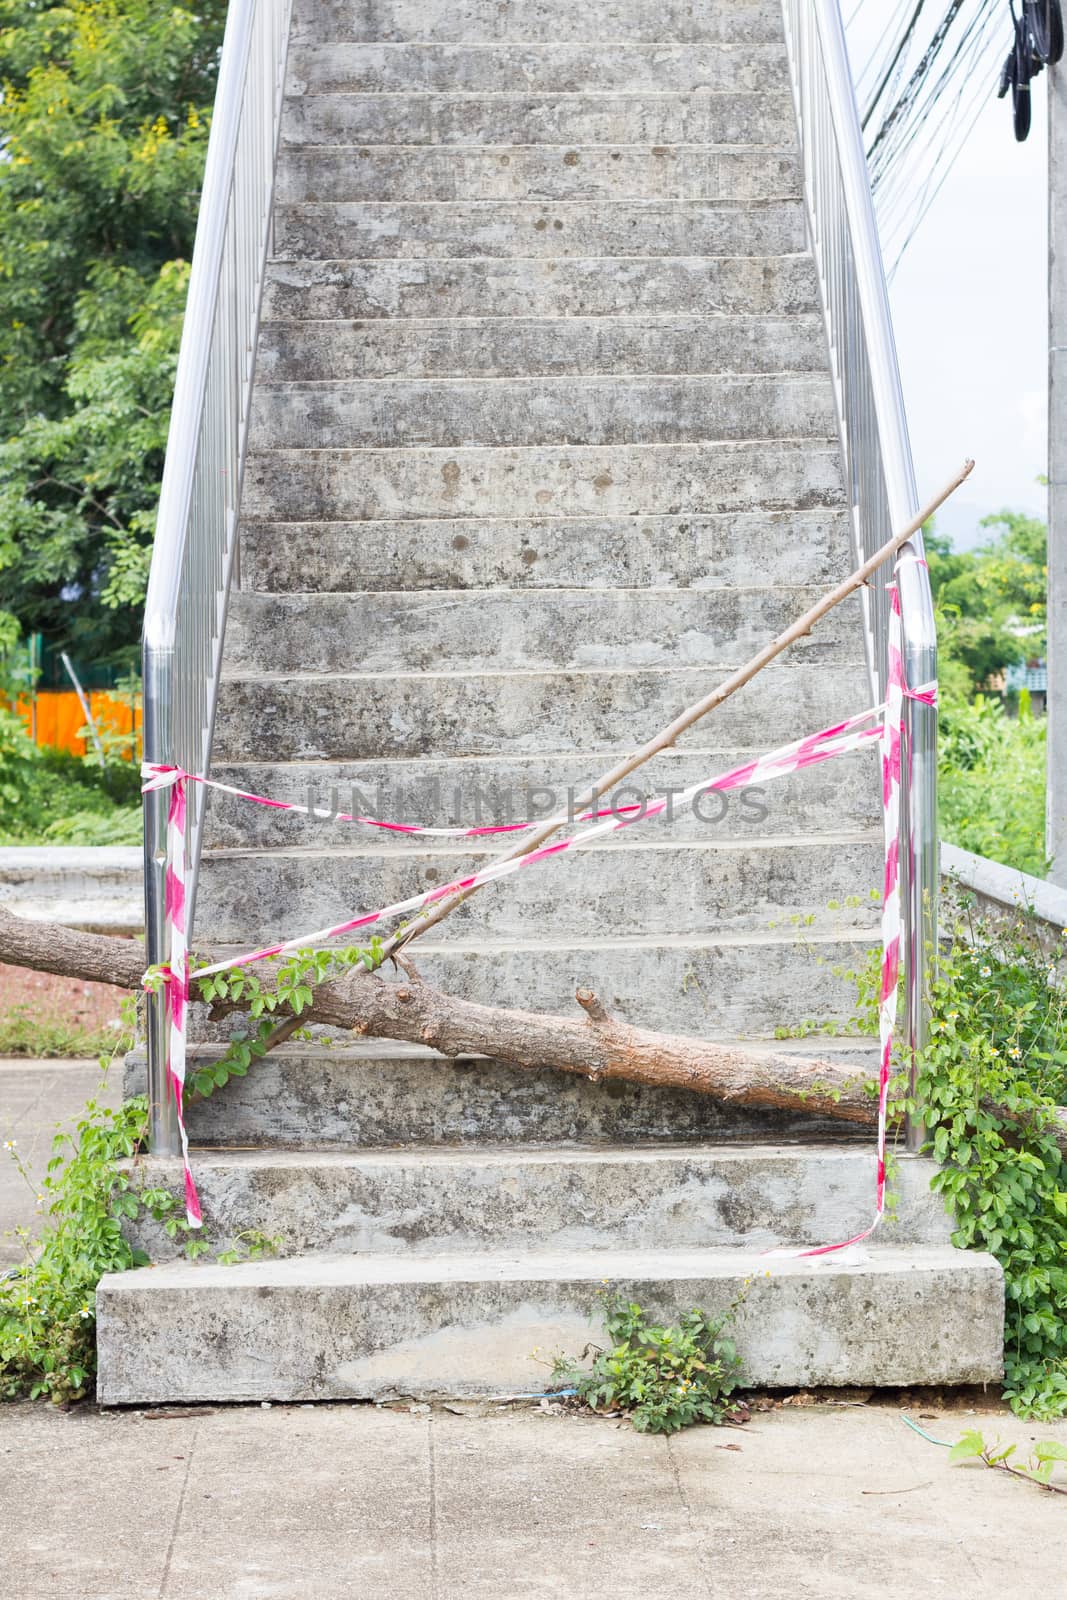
(103, 127)
(991, 601)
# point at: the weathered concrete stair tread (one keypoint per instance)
(429, 1201)
(643, 889)
(341, 230)
(343, 1326)
(332, 717)
(700, 552)
(590, 286)
(468, 792)
(507, 347)
(539, 172)
(594, 410)
(93, 887)
(435, 118)
(493, 630)
(713, 984)
(365, 1095)
(570, 480)
(489, 22)
(631, 68)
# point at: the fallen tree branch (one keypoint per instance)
(595, 1046)
(685, 719)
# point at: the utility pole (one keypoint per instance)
(1056, 785)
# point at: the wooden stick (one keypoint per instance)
(668, 735)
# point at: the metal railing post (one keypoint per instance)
(196, 528)
(879, 474)
(158, 747)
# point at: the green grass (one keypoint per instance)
(26, 1032)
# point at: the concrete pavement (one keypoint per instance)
(333, 1502)
(36, 1099)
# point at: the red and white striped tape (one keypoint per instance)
(842, 737)
(176, 976)
(892, 746)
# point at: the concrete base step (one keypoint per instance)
(330, 1327)
(425, 1202)
(369, 1095)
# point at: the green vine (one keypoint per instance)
(288, 996)
(48, 1303)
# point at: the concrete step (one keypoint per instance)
(368, 1094)
(503, 229)
(320, 1327)
(489, 22)
(503, 412)
(840, 796)
(661, 887)
(809, 548)
(494, 630)
(309, 716)
(727, 985)
(518, 119)
(535, 172)
(707, 286)
(424, 1202)
(542, 480)
(97, 888)
(340, 67)
(534, 348)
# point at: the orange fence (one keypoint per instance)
(57, 718)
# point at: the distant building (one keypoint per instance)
(1032, 675)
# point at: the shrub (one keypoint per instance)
(664, 1378)
(989, 1085)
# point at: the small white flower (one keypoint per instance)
(84, 1312)
(1014, 1053)
(9, 1144)
(984, 972)
(994, 1051)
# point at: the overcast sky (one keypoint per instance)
(970, 313)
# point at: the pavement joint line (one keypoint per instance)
(178, 1510)
(676, 1474)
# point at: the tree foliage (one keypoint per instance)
(991, 601)
(991, 613)
(103, 126)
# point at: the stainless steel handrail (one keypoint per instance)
(879, 474)
(196, 527)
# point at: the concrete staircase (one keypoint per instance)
(543, 443)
